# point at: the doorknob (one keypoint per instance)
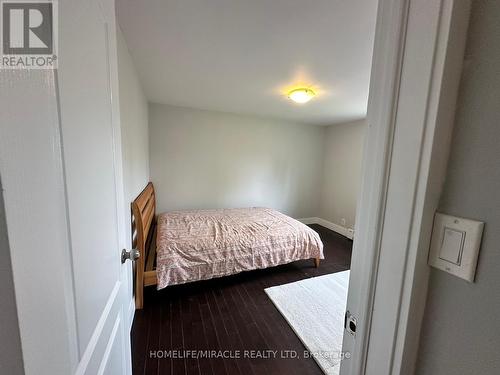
(132, 255)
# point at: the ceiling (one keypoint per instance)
(242, 56)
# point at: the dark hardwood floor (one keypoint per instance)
(228, 314)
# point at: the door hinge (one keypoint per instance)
(350, 323)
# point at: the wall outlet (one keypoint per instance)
(342, 222)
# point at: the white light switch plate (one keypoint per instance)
(455, 245)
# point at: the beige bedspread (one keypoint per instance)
(203, 244)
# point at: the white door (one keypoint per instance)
(91, 160)
(60, 163)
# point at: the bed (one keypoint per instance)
(184, 246)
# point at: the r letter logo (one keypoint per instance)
(28, 34)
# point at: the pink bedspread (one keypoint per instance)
(203, 244)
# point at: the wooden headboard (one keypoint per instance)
(143, 233)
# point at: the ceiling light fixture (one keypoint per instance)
(301, 95)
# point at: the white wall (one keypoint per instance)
(461, 327)
(206, 159)
(342, 172)
(134, 129)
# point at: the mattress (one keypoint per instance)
(203, 244)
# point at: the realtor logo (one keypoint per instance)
(28, 34)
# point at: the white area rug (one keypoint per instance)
(315, 309)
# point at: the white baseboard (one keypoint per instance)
(346, 232)
(309, 220)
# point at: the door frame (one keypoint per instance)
(416, 69)
(432, 30)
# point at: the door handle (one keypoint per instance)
(133, 255)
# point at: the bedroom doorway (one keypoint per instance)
(415, 72)
(239, 141)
